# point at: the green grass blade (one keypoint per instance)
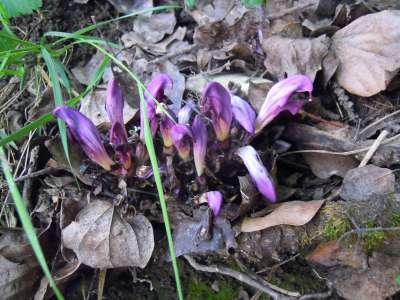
(157, 177)
(60, 69)
(52, 68)
(24, 131)
(97, 25)
(27, 224)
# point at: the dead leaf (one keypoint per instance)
(102, 239)
(326, 165)
(211, 12)
(128, 6)
(369, 52)
(85, 73)
(93, 107)
(286, 56)
(295, 213)
(324, 254)
(152, 29)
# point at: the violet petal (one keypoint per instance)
(243, 113)
(258, 172)
(279, 98)
(85, 133)
(214, 199)
(199, 131)
(217, 101)
(181, 137)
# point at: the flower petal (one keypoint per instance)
(155, 90)
(166, 125)
(199, 131)
(279, 99)
(185, 112)
(217, 100)
(257, 171)
(85, 133)
(214, 200)
(181, 137)
(243, 113)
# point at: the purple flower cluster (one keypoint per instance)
(219, 111)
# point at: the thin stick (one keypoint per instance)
(380, 120)
(45, 171)
(352, 152)
(363, 230)
(173, 54)
(373, 148)
(239, 276)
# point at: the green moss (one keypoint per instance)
(395, 218)
(372, 239)
(202, 291)
(336, 223)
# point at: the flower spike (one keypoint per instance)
(257, 171)
(118, 135)
(181, 137)
(243, 113)
(214, 200)
(85, 133)
(217, 100)
(279, 98)
(155, 90)
(199, 132)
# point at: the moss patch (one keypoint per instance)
(336, 223)
(198, 290)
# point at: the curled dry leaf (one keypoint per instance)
(296, 213)
(102, 239)
(369, 52)
(93, 107)
(295, 56)
(152, 29)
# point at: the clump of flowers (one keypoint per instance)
(199, 135)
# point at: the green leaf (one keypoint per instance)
(190, 3)
(398, 280)
(27, 224)
(253, 2)
(20, 7)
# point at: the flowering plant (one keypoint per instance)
(204, 131)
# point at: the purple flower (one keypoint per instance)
(85, 133)
(199, 131)
(155, 90)
(185, 113)
(214, 200)
(243, 113)
(279, 98)
(257, 171)
(181, 137)
(217, 100)
(166, 125)
(118, 136)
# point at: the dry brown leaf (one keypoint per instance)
(102, 239)
(369, 52)
(152, 29)
(296, 213)
(93, 107)
(286, 56)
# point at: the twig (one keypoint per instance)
(373, 148)
(173, 54)
(27, 190)
(324, 295)
(100, 286)
(288, 11)
(346, 153)
(380, 120)
(363, 230)
(45, 171)
(238, 276)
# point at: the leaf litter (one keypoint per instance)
(347, 50)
